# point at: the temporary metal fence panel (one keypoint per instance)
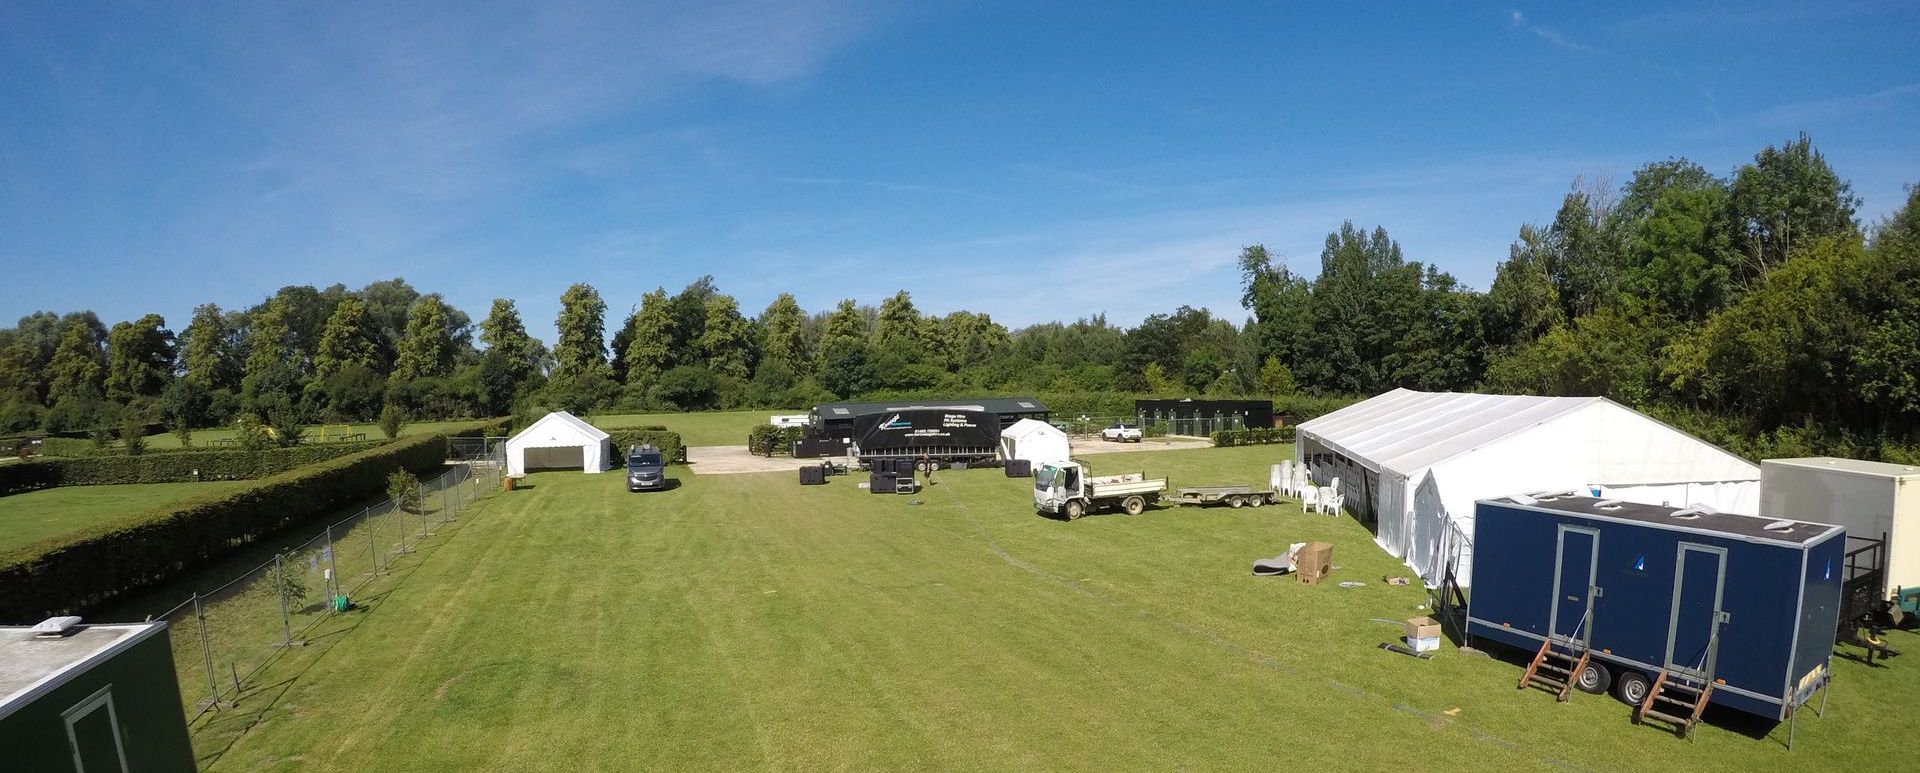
(226, 635)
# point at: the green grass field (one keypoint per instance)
(720, 428)
(37, 515)
(744, 622)
(205, 438)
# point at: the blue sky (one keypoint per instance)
(1031, 160)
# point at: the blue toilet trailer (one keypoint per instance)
(1672, 607)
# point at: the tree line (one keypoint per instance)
(1752, 309)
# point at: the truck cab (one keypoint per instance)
(646, 469)
(1069, 488)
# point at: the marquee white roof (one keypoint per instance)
(1030, 427)
(1405, 431)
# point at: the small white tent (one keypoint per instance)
(1034, 441)
(1416, 462)
(559, 440)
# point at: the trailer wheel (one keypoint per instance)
(1133, 505)
(1631, 687)
(1594, 679)
(1075, 510)
(1257, 501)
(1236, 502)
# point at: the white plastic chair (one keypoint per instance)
(1330, 500)
(1277, 477)
(1309, 500)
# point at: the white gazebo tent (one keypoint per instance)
(559, 440)
(1415, 462)
(1035, 441)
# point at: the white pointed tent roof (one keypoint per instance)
(591, 432)
(1405, 431)
(1030, 427)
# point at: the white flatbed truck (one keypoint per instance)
(1071, 489)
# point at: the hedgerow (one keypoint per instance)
(83, 568)
(1227, 438)
(178, 467)
(671, 447)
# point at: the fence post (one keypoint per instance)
(333, 572)
(373, 543)
(422, 491)
(206, 657)
(280, 590)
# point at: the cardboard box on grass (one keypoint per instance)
(1313, 562)
(1423, 634)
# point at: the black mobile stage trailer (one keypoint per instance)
(1666, 604)
(941, 435)
(831, 432)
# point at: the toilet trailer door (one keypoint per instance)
(1699, 577)
(1575, 563)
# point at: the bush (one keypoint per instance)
(173, 467)
(768, 440)
(404, 487)
(392, 419)
(81, 569)
(668, 441)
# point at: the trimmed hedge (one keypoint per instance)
(1228, 438)
(81, 569)
(668, 441)
(169, 468)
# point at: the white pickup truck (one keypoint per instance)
(1121, 433)
(1069, 488)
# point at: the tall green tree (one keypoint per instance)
(504, 332)
(845, 324)
(688, 309)
(650, 351)
(78, 369)
(726, 342)
(347, 341)
(1281, 304)
(1523, 303)
(427, 350)
(1580, 260)
(899, 328)
(581, 349)
(783, 327)
(140, 357)
(1787, 196)
(208, 350)
(388, 302)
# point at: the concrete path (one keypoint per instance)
(731, 460)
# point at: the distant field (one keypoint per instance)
(204, 438)
(37, 515)
(728, 428)
(742, 622)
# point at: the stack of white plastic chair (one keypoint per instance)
(1302, 482)
(1309, 499)
(1278, 475)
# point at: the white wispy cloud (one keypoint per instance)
(1548, 34)
(1820, 111)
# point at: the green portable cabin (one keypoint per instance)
(91, 699)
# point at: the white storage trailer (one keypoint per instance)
(1870, 499)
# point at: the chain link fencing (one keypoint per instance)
(1150, 425)
(224, 636)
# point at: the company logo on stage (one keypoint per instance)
(896, 423)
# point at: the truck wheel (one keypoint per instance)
(1594, 679)
(1257, 500)
(1631, 687)
(1133, 505)
(1075, 510)
(1236, 502)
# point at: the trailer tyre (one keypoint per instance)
(1133, 505)
(1075, 510)
(1236, 502)
(1631, 687)
(1594, 679)
(1257, 501)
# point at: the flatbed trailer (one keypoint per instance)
(1231, 496)
(1068, 489)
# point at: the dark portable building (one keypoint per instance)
(1745, 602)
(1204, 417)
(91, 698)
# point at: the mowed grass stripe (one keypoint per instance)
(747, 622)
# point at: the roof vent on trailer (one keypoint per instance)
(1780, 526)
(1607, 504)
(1693, 511)
(1523, 499)
(1549, 496)
(56, 626)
